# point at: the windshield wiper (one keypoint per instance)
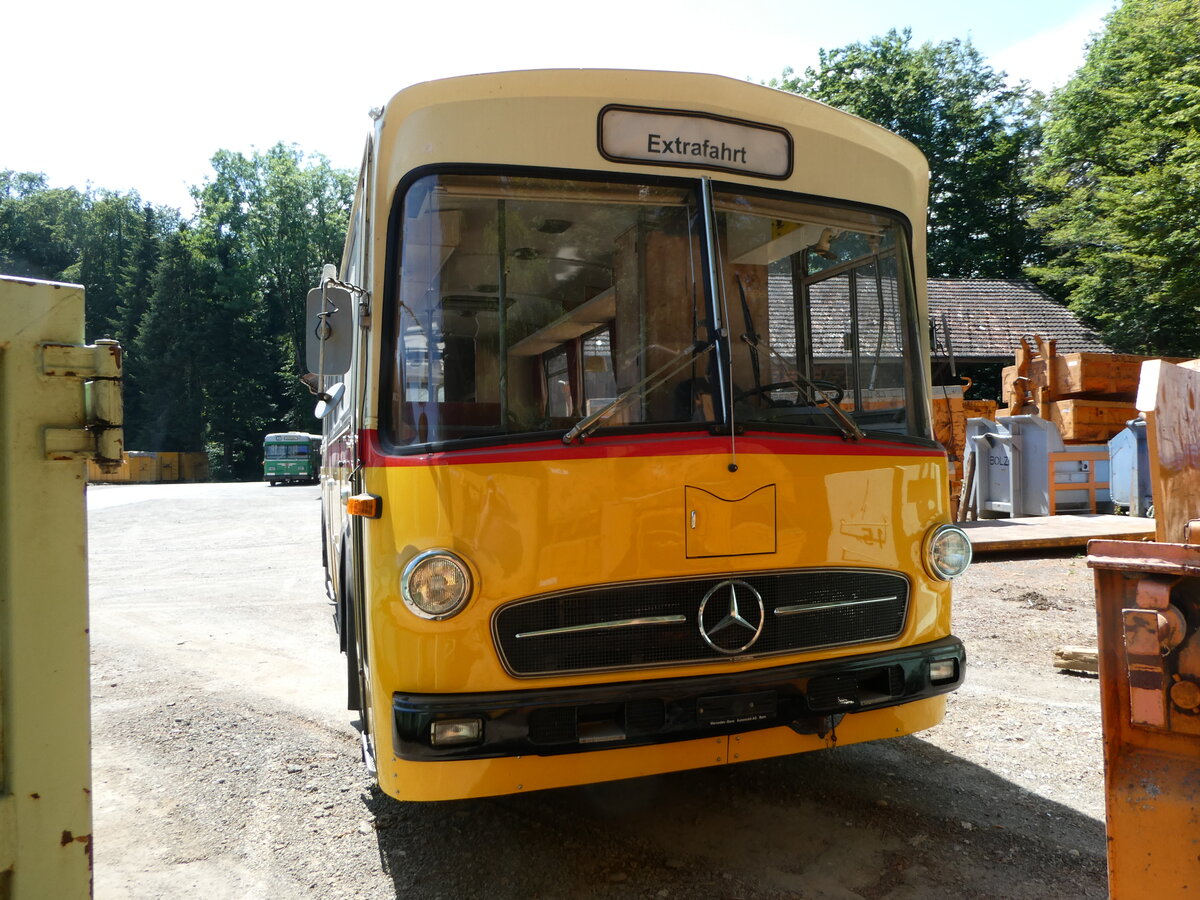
(848, 426)
(683, 358)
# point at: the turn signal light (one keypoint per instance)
(366, 505)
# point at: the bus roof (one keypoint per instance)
(471, 119)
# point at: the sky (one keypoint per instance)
(135, 95)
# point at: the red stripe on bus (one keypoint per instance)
(374, 455)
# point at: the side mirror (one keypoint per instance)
(329, 399)
(329, 321)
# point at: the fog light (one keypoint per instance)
(455, 731)
(942, 670)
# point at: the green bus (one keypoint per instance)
(291, 456)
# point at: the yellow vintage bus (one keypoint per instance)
(628, 465)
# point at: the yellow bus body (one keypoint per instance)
(488, 513)
(541, 518)
(492, 514)
(460, 779)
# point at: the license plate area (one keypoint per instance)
(737, 709)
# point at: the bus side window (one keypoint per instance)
(599, 381)
(458, 368)
(560, 402)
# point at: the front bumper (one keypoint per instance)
(810, 698)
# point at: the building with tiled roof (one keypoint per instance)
(985, 319)
(980, 320)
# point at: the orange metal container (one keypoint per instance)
(1148, 614)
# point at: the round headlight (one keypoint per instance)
(436, 584)
(949, 552)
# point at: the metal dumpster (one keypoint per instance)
(1129, 467)
(1023, 468)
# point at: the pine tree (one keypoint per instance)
(164, 370)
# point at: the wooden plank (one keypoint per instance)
(965, 508)
(1051, 532)
(1091, 421)
(1169, 398)
(1076, 659)
(950, 430)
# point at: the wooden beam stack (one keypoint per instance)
(1089, 396)
(950, 414)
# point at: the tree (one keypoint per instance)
(100, 239)
(266, 223)
(152, 230)
(107, 237)
(210, 311)
(164, 392)
(298, 217)
(978, 134)
(40, 227)
(1122, 168)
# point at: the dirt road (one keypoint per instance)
(225, 765)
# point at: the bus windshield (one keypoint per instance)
(287, 450)
(820, 311)
(606, 286)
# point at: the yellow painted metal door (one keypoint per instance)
(59, 406)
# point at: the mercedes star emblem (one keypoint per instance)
(742, 622)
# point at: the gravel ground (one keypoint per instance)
(226, 767)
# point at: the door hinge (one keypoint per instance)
(99, 435)
(364, 310)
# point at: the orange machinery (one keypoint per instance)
(1148, 613)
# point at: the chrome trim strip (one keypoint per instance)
(810, 607)
(605, 626)
(648, 666)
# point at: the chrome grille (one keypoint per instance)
(655, 624)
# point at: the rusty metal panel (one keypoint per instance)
(59, 405)
(1148, 616)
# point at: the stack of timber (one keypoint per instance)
(1089, 396)
(950, 413)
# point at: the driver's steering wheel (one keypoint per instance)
(833, 392)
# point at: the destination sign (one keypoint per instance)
(678, 138)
